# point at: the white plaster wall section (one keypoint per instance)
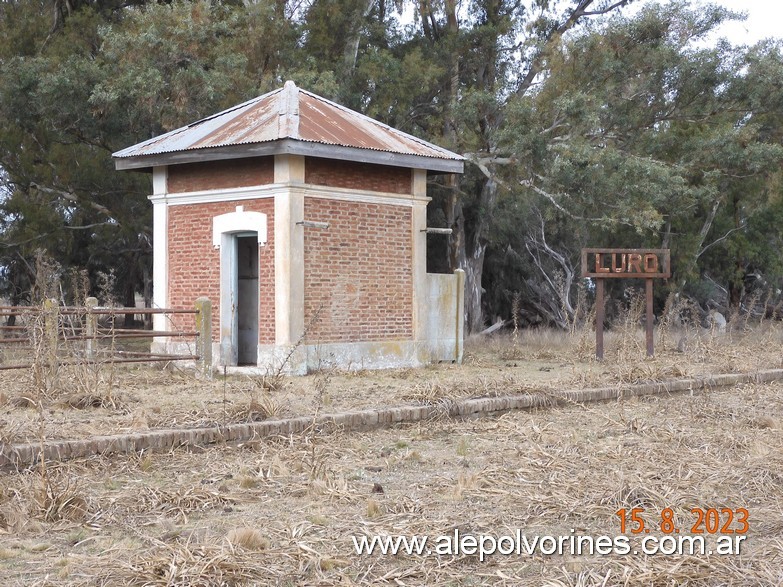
(311, 191)
(222, 195)
(445, 324)
(160, 179)
(355, 356)
(363, 196)
(289, 268)
(289, 169)
(419, 260)
(289, 251)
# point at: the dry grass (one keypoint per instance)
(248, 538)
(193, 519)
(525, 362)
(281, 512)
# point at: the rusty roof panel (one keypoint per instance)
(208, 132)
(256, 124)
(288, 113)
(321, 121)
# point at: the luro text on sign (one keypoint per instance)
(636, 263)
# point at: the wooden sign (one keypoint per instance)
(626, 263)
(647, 264)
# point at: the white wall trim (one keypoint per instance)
(228, 323)
(270, 190)
(365, 197)
(224, 195)
(239, 221)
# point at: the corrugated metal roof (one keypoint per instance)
(288, 113)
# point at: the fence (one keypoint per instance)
(63, 335)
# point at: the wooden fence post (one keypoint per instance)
(91, 327)
(204, 328)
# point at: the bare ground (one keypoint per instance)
(282, 512)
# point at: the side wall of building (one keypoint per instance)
(358, 272)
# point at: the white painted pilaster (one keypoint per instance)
(419, 260)
(289, 252)
(289, 268)
(289, 169)
(160, 244)
(419, 183)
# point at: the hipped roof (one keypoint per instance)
(289, 120)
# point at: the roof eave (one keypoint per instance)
(292, 147)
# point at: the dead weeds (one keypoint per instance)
(282, 511)
(527, 361)
(194, 519)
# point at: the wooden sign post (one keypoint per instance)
(647, 264)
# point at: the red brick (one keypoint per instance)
(361, 279)
(358, 176)
(226, 174)
(194, 264)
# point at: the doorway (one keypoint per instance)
(247, 299)
(238, 235)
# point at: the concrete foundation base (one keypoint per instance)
(308, 358)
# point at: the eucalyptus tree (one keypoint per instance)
(641, 135)
(579, 124)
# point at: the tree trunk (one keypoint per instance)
(467, 252)
(353, 36)
(147, 296)
(474, 269)
(737, 282)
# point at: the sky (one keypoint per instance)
(765, 19)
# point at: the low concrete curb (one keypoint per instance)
(19, 456)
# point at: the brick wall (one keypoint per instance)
(226, 174)
(358, 176)
(358, 271)
(194, 265)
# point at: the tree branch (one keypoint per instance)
(537, 63)
(71, 197)
(607, 9)
(64, 227)
(723, 238)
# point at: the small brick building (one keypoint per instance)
(305, 224)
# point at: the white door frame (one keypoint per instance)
(225, 230)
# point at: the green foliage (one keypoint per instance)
(581, 130)
(640, 138)
(177, 63)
